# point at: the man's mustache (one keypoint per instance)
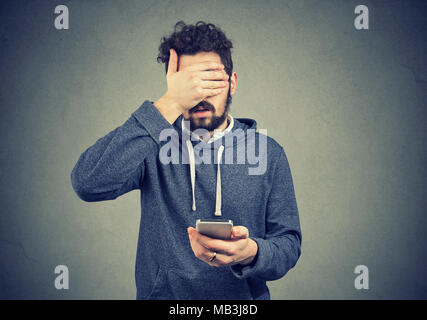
(203, 104)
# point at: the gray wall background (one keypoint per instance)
(348, 106)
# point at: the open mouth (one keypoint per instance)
(201, 109)
(201, 112)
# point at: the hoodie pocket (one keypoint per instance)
(156, 289)
(218, 284)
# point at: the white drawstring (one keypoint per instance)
(218, 183)
(192, 171)
(193, 177)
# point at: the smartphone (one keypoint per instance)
(215, 228)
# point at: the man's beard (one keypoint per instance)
(214, 121)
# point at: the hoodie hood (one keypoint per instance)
(218, 145)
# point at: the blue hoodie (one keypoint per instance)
(174, 195)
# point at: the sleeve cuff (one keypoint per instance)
(152, 120)
(255, 266)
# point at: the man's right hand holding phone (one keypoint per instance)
(240, 249)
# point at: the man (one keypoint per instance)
(174, 261)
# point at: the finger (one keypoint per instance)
(197, 247)
(239, 232)
(222, 260)
(173, 62)
(192, 232)
(212, 75)
(204, 254)
(206, 65)
(217, 245)
(212, 92)
(199, 250)
(213, 84)
(205, 241)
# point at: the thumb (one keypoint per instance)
(240, 232)
(173, 62)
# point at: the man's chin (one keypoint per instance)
(204, 120)
(197, 123)
(209, 123)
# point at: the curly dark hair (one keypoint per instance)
(191, 39)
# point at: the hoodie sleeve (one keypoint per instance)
(115, 164)
(280, 249)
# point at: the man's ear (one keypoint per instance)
(173, 62)
(233, 83)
